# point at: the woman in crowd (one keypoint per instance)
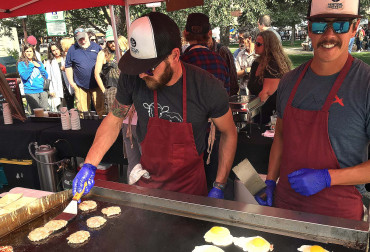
(267, 70)
(33, 75)
(68, 91)
(55, 67)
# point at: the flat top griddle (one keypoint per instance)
(140, 229)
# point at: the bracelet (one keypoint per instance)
(220, 186)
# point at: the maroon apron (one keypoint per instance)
(170, 156)
(306, 144)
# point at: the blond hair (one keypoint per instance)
(123, 44)
(66, 43)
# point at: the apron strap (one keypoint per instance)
(292, 94)
(338, 83)
(184, 107)
(155, 104)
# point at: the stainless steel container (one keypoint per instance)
(47, 172)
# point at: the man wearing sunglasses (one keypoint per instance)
(323, 129)
(173, 101)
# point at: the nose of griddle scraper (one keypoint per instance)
(249, 177)
(71, 210)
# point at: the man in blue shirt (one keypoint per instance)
(80, 65)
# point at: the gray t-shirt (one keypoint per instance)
(276, 33)
(349, 115)
(206, 97)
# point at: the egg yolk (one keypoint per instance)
(218, 230)
(258, 242)
(316, 249)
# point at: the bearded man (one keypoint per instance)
(173, 101)
(80, 65)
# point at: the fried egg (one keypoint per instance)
(207, 248)
(253, 244)
(312, 248)
(219, 236)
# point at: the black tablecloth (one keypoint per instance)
(15, 138)
(81, 141)
(255, 147)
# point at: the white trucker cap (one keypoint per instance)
(334, 8)
(151, 38)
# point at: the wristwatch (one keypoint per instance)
(220, 186)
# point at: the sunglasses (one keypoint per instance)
(339, 27)
(258, 44)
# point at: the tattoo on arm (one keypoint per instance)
(119, 109)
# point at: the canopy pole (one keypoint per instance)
(114, 28)
(127, 14)
(22, 5)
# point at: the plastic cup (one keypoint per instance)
(39, 112)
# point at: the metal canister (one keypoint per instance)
(47, 171)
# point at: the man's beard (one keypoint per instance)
(84, 46)
(163, 79)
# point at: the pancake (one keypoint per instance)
(87, 205)
(78, 237)
(109, 211)
(96, 222)
(39, 234)
(6, 249)
(55, 225)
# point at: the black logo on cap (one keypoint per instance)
(133, 42)
(335, 1)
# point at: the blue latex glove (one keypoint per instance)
(309, 181)
(86, 174)
(216, 193)
(269, 191)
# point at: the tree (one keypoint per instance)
(289, 13)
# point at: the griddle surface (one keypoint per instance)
(140, 230)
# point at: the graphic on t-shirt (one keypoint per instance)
(35, 74)
(337, 100)
(163, 112)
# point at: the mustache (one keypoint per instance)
(330, 41)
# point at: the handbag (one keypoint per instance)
(46, 85)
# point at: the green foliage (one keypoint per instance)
(13, 52)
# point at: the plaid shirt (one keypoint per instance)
(209, 61)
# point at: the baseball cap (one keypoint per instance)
(79, 33)
(109, 34)
(197, 23)
(334, 9)
(151, 38)
(31, 40)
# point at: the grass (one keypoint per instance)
(298, 59)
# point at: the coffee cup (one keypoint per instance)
(39, 112)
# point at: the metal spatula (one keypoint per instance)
(249, 177)
(71, 210)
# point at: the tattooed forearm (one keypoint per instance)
(119, 109)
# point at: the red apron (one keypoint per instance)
(170, 156)
(306, 144)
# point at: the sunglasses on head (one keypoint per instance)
(339, 26)
(258, 44)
